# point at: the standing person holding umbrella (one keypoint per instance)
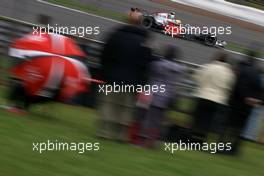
(47, 68)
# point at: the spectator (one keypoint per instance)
(247, 94)
(255, 122)
(214, 81)
(124, 61)
(163, 72)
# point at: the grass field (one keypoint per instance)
(67, 123)
(238, 48)
(90, 9)
(251, 3)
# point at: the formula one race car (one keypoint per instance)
(167, 23)
(157, 20)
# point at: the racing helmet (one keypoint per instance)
(172, 15)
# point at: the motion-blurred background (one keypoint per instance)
(74, 114)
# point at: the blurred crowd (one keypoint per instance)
(228, 98)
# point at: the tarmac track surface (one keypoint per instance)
(27, 10)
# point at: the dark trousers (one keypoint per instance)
(237, 121)
(204, 115)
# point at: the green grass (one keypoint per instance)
(76, 124)
(90, 9)
(3, 93)
(181, 117)
(241, 49)
(248, 3)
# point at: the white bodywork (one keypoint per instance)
(165, 18)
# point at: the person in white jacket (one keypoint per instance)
(214, 85)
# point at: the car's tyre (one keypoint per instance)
(210, 40)
(147, 22)
(187, 37)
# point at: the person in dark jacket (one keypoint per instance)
(125, 53)
(124, 61)
(246, 94)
